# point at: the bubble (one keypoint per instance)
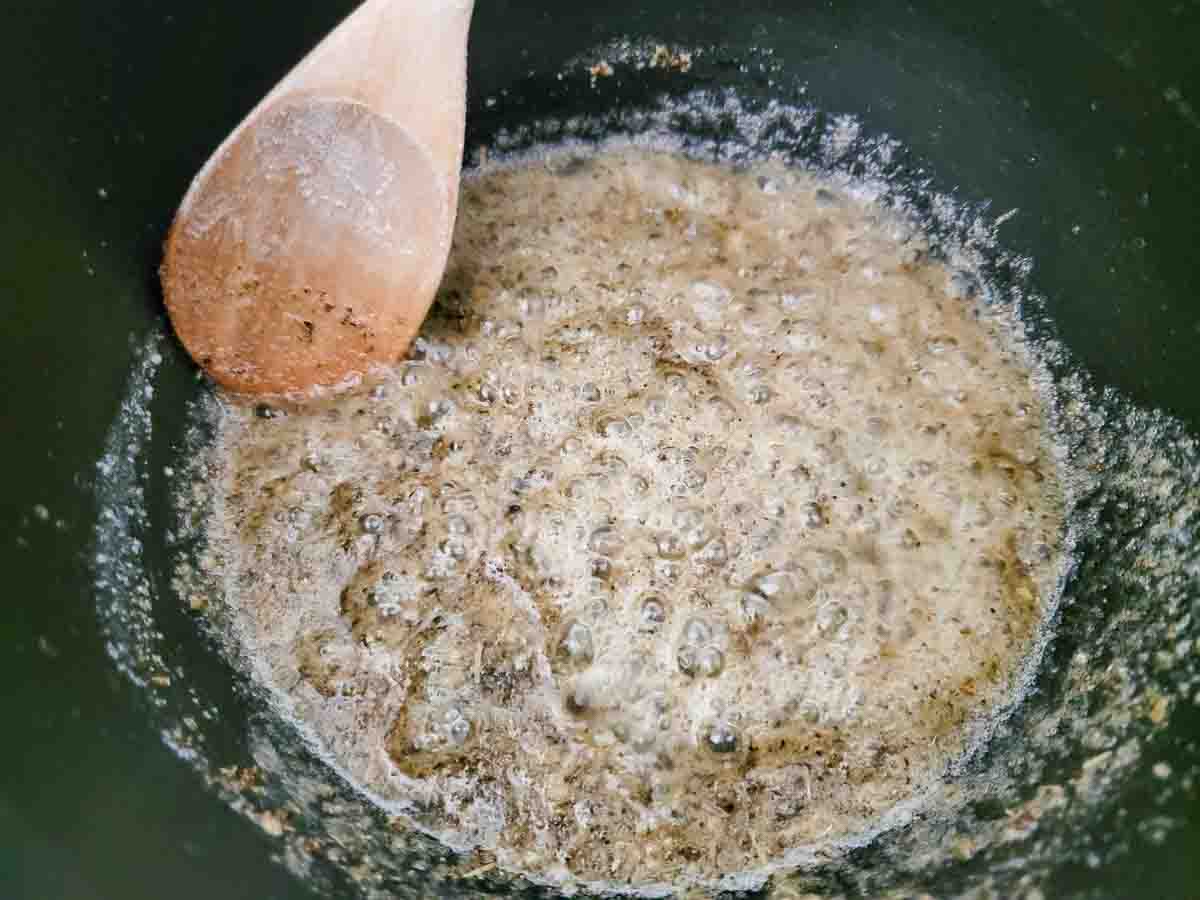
(714, 350)
(941, 344)
(976, 513)
(696, 631)
(392, 594)
(768, 185)
(571, 446)
(458, 728)
(877, 313)
(676, 382)
(455, 549)
(785, 589)
(579, 488)
(431, 351)
(597, 608)
(488, 393)
(710, 662)
(582, 696)
(606, 541)
(759, 394)
(638, 484)
(1026, 456)
(510, 395)
(635, 314)
(811, 516)
(801, 300)
(789, 807)
(692, 528)
(686, 517)
(789, 422)
(458, 502)
(643, 740)
(610, 463)
(876, 426)
(710, 292)
(831, 618)
(721, 738)
(410, 378)
(670, 546)
(824, 454)
(614, 427)
(533, 307)
(439, 409)
(577, 642)
(667, 569)
(371, 523)
(826, 565)
(715, 553)
(589, 393)
(531, 481)
(753, 608)
(963, 285)
(653, 613)
(263, 411)
(685, 658)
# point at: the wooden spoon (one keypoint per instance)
(309, 248)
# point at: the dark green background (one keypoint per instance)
(1075, 112)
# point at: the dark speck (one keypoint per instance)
(721, 739)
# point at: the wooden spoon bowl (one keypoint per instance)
(309, 248)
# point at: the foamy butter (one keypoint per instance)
(708, 520)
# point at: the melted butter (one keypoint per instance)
(708, 520)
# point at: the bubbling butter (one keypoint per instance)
(709, 518)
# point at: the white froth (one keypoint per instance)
(718, 507)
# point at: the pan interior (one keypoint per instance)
(1122, 664)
